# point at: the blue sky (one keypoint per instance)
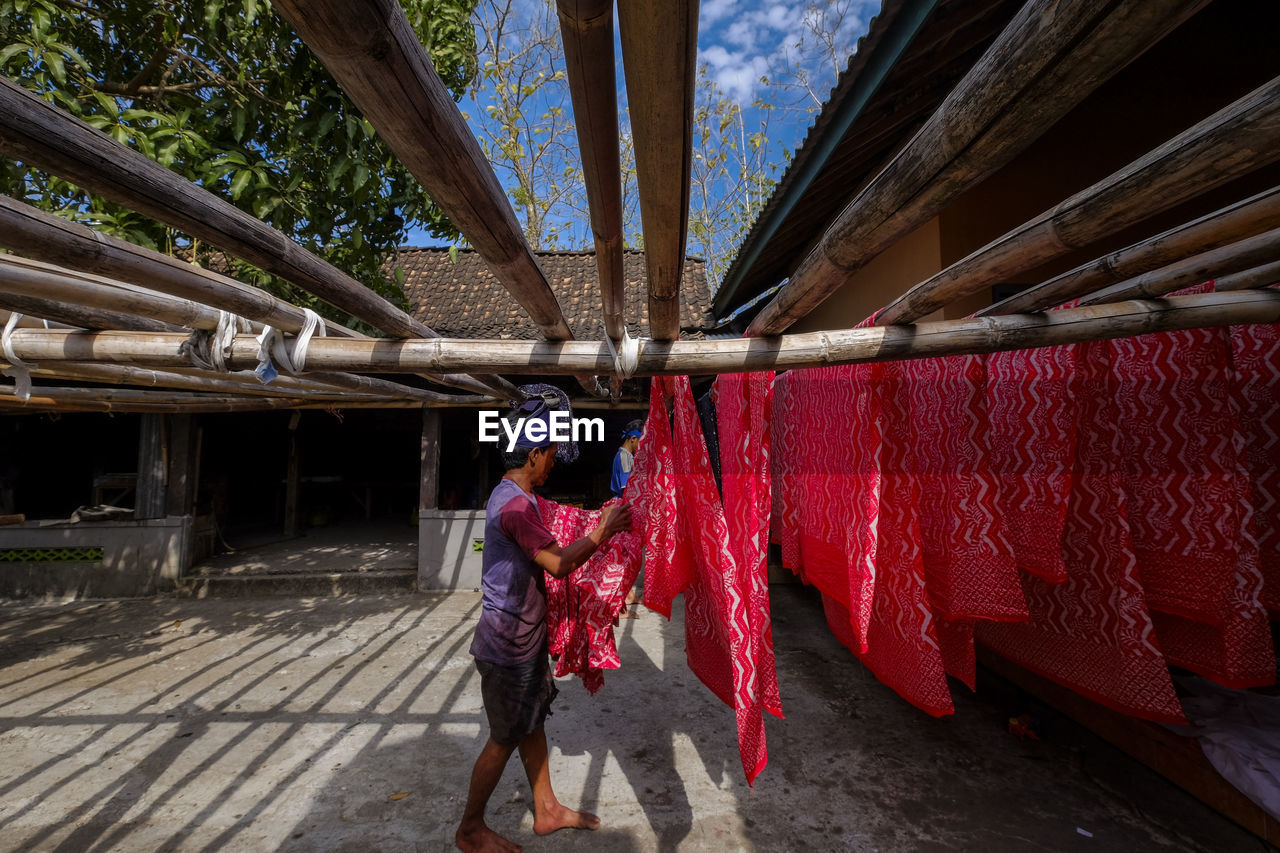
(783, 52)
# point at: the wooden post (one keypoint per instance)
(150, 493)
(181, 476)
(429, 489)
(293, 477)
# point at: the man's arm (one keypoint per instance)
(559, 562)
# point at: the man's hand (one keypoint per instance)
(614, 519)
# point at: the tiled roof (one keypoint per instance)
(463, 299)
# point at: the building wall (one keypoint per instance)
(912, 259)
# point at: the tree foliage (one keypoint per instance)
(223, 93)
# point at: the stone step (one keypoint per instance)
(304, 584)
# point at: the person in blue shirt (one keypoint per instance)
(625, 458)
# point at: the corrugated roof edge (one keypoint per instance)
(866, 47)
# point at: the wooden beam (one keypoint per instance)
(1234, 222)
(659, 59)
(1232, 258)
(371, 50)
(149, 500)
(586, 28)
(244, 383)
(153, 402)
(429, 485)
(78, 315)
(1048, 59)
(813, 349)
(41, 135)
(71, 246)
(1260, 276)
(1232, 142)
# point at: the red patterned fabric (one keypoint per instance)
(1191, 514)
(1033, 445)
(581, 609)
(744, 412)
(1091, 632)
(1255, 369)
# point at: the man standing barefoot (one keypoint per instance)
(510, 645)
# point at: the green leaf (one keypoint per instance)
(57, 70)
(240, 181)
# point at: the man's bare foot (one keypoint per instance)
(628, 613)
(550, 820)
(480, 838)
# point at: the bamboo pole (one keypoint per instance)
(586, 29)
(659, 59)
(52, 239)
(19, 278)
(1232, 142)
(77, 315)
(240, 383)
(1048, 59)
(814, 349)
(1235, 257)
(121, 402)
(1234, 222)
(39, 134)
(1261, 276)
(27, 322)
(371, 50)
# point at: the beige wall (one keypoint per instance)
(1216, 57)
(912, 259)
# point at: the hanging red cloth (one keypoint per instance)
(1033, 445)
(724, 626)
(1092, 631)
(968, 561)
(582, 609)
(1255, 374)
(1188, 492)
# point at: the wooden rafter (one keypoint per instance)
(1233, 258)
(1260, 276)
(1049, 58)
(1234, 222)
(1236, 140)
(814, 349)
(586, 28)
(45, 237)
(659, 58)
(371, 50)
(43, 136)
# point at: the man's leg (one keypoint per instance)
(548, 814)
(474, 835)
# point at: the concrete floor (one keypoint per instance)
(352, 723)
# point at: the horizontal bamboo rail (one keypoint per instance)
(371, 50)
(1234, 222)
(659, 59)
(1232, 142)
(79, 316)
(1048, 59)
(149, 379)
(52, 239)
(814, 349)
(1232, 258)
(586, 29)
(122, 402)
(1261, 276)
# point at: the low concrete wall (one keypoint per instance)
(447, 554)
(139, 558)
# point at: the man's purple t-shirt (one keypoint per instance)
(513, 618)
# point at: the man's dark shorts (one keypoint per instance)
(517, 699)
